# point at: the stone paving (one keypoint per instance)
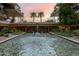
(74, 39)
(3, 39)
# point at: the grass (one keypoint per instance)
(67, 34)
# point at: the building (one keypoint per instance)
(55, 13)
(76, 8)
(53, 20)
(10, 11)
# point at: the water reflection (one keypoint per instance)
(36, 44)
(66, 48)
(10, 48)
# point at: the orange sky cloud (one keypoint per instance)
(27, 8)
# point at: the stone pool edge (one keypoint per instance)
(11, 38)
(67, 38)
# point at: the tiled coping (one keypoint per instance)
(11, 38)
(68, 38)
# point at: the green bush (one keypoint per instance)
(6, 30)
(76, 32)
(55, 30)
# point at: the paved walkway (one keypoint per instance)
(74, 39)
(3, 39)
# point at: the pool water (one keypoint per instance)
(39, 44)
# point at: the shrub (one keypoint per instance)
(55, 30)
(6, 30)
(76, 32)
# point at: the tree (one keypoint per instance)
(33, 15)
(40, 14)
(66, 14)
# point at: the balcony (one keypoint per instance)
(76, 8)
(12, 9)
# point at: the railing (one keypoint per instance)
(33, 23)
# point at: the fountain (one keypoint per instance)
(37, 33)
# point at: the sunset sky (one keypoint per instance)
(27, 8)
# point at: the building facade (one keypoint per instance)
(10, 11)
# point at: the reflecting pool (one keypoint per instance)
(39, 44)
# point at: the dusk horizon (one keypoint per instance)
(27, 8)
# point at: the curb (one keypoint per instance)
(11, 38)
(75, 41)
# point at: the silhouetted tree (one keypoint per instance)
(40, 14)
(33, 15)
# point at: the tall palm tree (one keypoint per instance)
(40, 14)
(33, 15)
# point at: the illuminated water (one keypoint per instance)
(36, 44)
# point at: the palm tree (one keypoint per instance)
(33, 15)
(40, 14)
